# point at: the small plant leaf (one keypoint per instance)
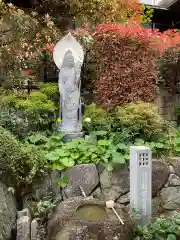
(103, 142)
(118, 158)
(52, 156)
(67, 162)
(57, 166)
(171, 237)
(63, 182)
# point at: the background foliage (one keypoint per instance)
(126, 65)
(104, 11)
(169, 68)
(125, 60)
(99, 119)
(24, 41)
(25, 114)
(142, 120)
(20, 163)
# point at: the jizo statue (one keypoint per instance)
(68, 56)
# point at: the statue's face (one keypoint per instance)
(68, 59)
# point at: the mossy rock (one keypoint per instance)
(7, 212)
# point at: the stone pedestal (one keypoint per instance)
(71, 136)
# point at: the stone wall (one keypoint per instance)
(100, 184)
(165, 104)
(95, 181)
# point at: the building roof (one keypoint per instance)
(166, 3)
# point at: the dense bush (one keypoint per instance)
(23, 47)
(96, 118)
(126, 64)
(142, 119)
(125, 61)
(128, 122)
(26, 114)
(50, 89)
(169, 66)
(104, 11)
(19, 163)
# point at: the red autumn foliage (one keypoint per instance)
(126, 62)
(28, 72)
(49, 47)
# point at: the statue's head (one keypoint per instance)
(68, 60)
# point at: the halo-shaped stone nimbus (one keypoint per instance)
(67, 42)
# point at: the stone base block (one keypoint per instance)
(70, 136)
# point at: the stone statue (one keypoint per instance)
(68, 57)
(69, 85)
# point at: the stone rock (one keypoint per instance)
(175, 162)
(124, 199)
(173, 181)
(160, 174)
(156, 206)
(114, 184)
(84, 175)
(97, 193)
(47, 186)
(170, 214)
(170, 198)
(171, 169)
(7, 212)
(72, 232)
(23, 228)
(122, 210)
(64, 225)
(100, 167)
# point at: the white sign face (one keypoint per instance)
(141, 183)
(67, 42)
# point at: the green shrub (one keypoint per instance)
(19, 163)
(9, 99)
(96, 118)
(37, 95)
(142, 119)
(162, 228)
(36, 102)
(50, 89)
(29, 114)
